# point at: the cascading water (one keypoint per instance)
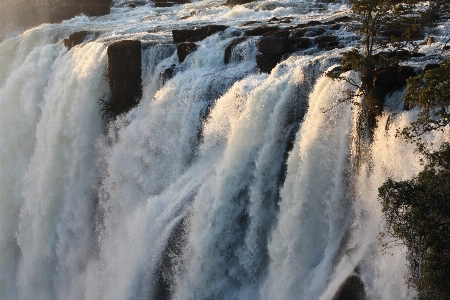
(223, 183)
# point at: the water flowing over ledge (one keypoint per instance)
(223, 183)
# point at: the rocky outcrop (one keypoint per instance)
(124, 74)
(352, 289)
(75, 39)
(260, 30)
(230, 47)
(196, 35)
(388, 80)
(274, 44)
(184, 49)
(266, 62)
(237, 2)
(169, 3)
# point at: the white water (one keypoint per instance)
(87, 213)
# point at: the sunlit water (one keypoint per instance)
(258, 197)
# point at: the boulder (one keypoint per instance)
(352, 289)
(389, 79)
(237, 2)
(300, 43)
(326, 41)
(260, 30)
(266, 62)
(184, 49)
(75, 38)
(169, 3)
(196, 35)
(230, 47)
(95, 10)
(124, 74)
(343, 19)
(274, 44)
(308, 32)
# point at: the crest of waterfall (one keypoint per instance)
(223, 183)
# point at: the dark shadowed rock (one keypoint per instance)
(388, 80)
(124, 74)
(403, 73)
(352, 289)
(260, 31)
(95, 10)
(300, 43)
(273, 44)
(230, 47)
(335, 27)
(237, 2)
(169, 3)
(308, 32)
(326, 42)
(184, 49)
(196, 35)
(167, 74)
(343, 19)
(75, 39)
(266, 62)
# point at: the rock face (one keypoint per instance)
(169, 3)
(274, 44)
(75, 39)
(230, 47)
(184, 49)
(352, 289)
(237, 2)
(266, 62)
(196, 35)
(124, 74)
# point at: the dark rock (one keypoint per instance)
(389, 79)
(167, 74)
(326, 42)
(95, 10)
(230, 47)
(169, 3)
(274, 19)
(335, 27)
(352, 289)
(403, 73)
(309, 24)
(75, 39)
(260, 31)
(251, 23)
(343, 19)
(400, 33)
(300, 43)
(431, 67)
(124, 74)
(308, 32)
(191, 14)
(279, 33)
(184, 49)
(237, 2)
(446, 48)
(416, 54)
(266, 62)
(273, 45)
(196, 35)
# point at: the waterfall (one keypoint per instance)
(223, 183)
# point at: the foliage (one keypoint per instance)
(417, 212)
(431, 94)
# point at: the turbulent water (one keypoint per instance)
(223, 183)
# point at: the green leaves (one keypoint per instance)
(431, 94)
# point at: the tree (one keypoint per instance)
(417, 212)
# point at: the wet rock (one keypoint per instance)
(184, 49)
(388, 80)
(95, 10)
(309, 24)
(429, 40)
(251, 23)
(300, 43)
(335, 27)
(352, 289)
(274, 19)
(326, 41)
(237, 2)
(191, 14)
(266, 62)
(274, 44)
(124, 74)
(260, 31)
(230, 47)
(343, 19)
(75, 38)
(196, 35)
(167, 74)
(308, 32)
(169, 3)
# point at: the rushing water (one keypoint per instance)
(223, 183)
